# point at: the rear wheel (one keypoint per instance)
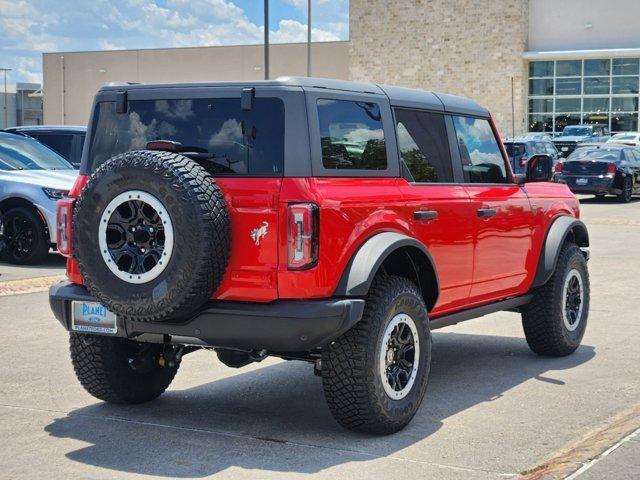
(627, 191)
(556, 319)
(118, 370)
(375, 375)
(26, 241)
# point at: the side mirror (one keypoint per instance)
(539, 168)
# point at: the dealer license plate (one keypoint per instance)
(92, 317)
(565, 149)
(582, 181)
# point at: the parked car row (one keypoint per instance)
(602, 169)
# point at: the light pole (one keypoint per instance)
(266, 39)
(6, 107)
(308, 38)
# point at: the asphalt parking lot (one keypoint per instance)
(493, 409)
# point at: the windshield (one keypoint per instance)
(576, 131)
(22, 153)
(604, 154)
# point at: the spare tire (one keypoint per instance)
(151, 235)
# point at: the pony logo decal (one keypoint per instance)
(259, 233)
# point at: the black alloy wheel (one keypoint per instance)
(24, 237)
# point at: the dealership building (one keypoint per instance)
(538, 65)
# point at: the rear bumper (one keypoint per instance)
(595, 184)
(281, 326)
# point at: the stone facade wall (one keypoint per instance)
(463, 47)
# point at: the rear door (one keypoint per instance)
(439, 207)
(244, 150)
(502, 216)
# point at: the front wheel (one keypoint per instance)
(375, 375)
(26, 242)
(118, 370)
(556, 319)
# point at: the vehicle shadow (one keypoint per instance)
(606, 200)
(53, 260)
(224, 424)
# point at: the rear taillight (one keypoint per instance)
(64, 225)
(302, 236)
(558, 167)
(611, 168)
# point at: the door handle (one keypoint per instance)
(425, 215)
(486, 212)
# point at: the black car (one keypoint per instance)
(606, 169)
(521, 149)
(65, 140)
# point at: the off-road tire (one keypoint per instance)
(201, 230)
(542, 319)
(40, 246)
(352, 383)
(102, 367)
(627, 190)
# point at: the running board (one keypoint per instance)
(452, 319)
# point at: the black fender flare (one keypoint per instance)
(364, 264)
(561, 228)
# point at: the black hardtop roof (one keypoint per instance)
(398, 96)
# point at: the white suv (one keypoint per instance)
(32, 179)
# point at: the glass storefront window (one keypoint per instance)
(540, 123)
(541, 69)
(569, 68)
(568, 86)
(541, 87)
(597, 85)
(626, 66)
(596, 67)
(624, 122)
(593, 90)
(540, 105)
(624, 104)
(568, 105)
(596, 104)
(624, 85)
(596, 117)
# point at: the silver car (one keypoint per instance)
(32, 179)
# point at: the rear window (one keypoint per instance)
(216, 132)
(603, 154)
(351, 135)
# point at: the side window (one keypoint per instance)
(551, 150)
(482, 160)
(423, 145)
(351, 135)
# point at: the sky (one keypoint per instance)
(30, 27)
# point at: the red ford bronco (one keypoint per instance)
(327, 221)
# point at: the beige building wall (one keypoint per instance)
(464, 47)
(83, 73)
(583, 24)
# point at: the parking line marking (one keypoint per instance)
(28, 285)
(570, 462)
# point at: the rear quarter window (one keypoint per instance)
(351, 135)
(216, 132)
